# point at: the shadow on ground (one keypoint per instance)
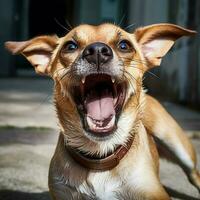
(27, 152)
(179, 195)
(17, 195)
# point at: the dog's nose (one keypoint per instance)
(97, 53)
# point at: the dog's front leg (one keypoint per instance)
(172, 142)
(64, 192)
(60, 190)
(60, 176)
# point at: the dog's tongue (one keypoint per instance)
(100, 106)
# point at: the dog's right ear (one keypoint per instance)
(37, 51)
(157, 39)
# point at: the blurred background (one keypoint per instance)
(180, 71)
(28, 126)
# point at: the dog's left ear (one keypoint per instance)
(37, 51)
(156, 40)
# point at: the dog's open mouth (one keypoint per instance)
(99, 99)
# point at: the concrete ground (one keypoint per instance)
(28, 134)
(27, 102)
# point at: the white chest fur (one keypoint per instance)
(132, 177)
(105, 186)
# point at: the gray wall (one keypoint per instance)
(180, 69)
(97, 11)
(6, 33)
(14, 26)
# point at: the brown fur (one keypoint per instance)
(142, 117)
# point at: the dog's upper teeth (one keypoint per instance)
(83, 80)
(113, 79)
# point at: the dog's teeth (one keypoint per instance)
(113, 79)
(83, 80)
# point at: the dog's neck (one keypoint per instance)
(105, 163)
(94, 155)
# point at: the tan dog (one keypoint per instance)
(106, 149)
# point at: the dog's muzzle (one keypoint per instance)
(100, 94)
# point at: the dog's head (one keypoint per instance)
(98, 73)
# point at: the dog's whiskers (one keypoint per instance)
(68, 24)
(149, 72)
(122, 19)
(140, 62)
(129, 81)
(61, 25)
(129, 26)
(136, 93)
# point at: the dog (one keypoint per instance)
(111, 131)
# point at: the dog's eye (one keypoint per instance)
(125, 46)
(70, 47)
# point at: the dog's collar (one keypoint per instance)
(101, 164)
